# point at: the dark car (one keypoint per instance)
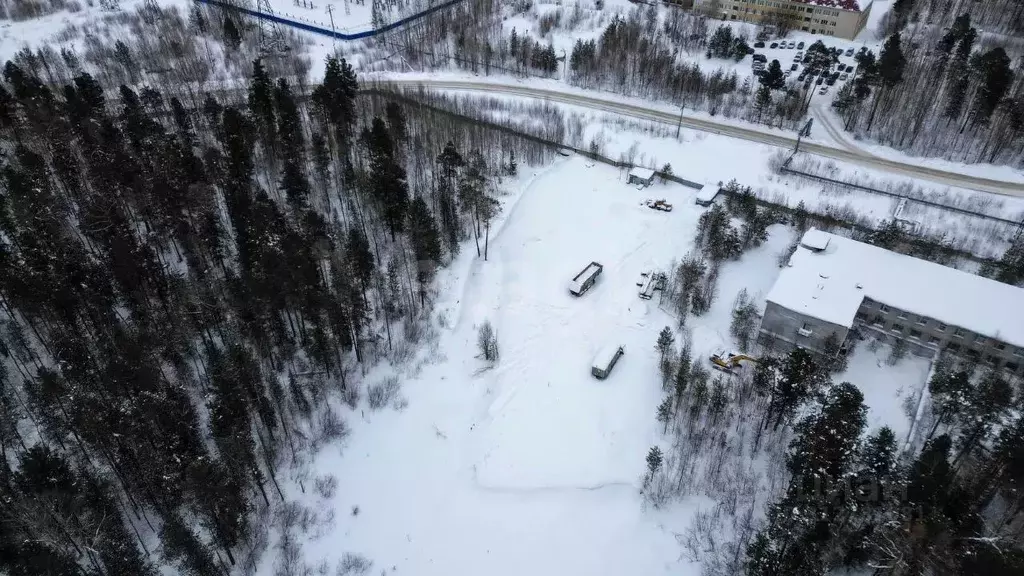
(849, 52)
(831, 81)
(819, 80)
(802, 76)
(794, 67)
(774, 45)
(800, 46)
(807, 84)
(758, 44)
(841, 67)
(760, 58)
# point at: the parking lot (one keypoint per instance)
(804, 67)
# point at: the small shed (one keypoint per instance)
(707, 194)
(605, 361)
(641, 176)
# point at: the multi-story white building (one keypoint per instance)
(841, 18)
(833, 285)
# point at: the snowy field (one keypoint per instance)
(533, 467)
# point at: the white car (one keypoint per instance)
(823, 91)
(791, 45)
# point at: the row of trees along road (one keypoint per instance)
(181, 288)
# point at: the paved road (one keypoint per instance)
(846, 153)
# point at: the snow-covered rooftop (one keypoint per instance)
(641, 172)
(707, 192)
(829, 284)
(855, 5)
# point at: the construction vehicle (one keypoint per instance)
(730, 362)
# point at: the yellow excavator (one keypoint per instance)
(729, 362)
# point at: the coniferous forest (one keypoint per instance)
(182, 287)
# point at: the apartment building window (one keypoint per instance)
(897, 327)
(942, 327)
(1018, 352)
(1012, 366)
(884, 308)
(922, 320)
(952, 347)
(979, 339)
(915, 333)
(959, 333)
(933, 339)
(992, 359)
(861, 315)
(901, 315)
(878, 321)
(1000, 346)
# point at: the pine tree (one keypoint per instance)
(996, 79)
(664, 344)
(261, 106)
(426, 243)
(665, 413)
(232, 38)
(387, 179)
(773, 79)
(654, 461)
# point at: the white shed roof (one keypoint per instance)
(641, 172)
(830, 283)
(707, 192)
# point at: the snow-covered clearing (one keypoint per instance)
(533, 466)
(887, 389)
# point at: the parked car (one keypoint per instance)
(800, 46)
(849, 52)
(830, 81)
(760, 58)
(843, 77)
(758, 44)
(801, 77)
(787, 74)
(794, 67)
(774, 45)
(791, 45)
(841, 67)
(823, 91)
(807, 84)
(819, 80)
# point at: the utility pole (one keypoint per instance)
(334, 35)
(679, 124)
(805, 131)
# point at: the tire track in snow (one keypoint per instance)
(547, 488)
(470, 286)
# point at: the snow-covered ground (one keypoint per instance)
(533, 467)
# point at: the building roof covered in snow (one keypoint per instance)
(829, 276)
(641, 172)
(854, 5)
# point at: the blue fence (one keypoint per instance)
(325, 31)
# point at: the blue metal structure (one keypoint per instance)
(331, 33)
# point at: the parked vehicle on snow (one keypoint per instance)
(585, 279)
(605, 360)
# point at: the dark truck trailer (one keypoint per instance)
(585, 279)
